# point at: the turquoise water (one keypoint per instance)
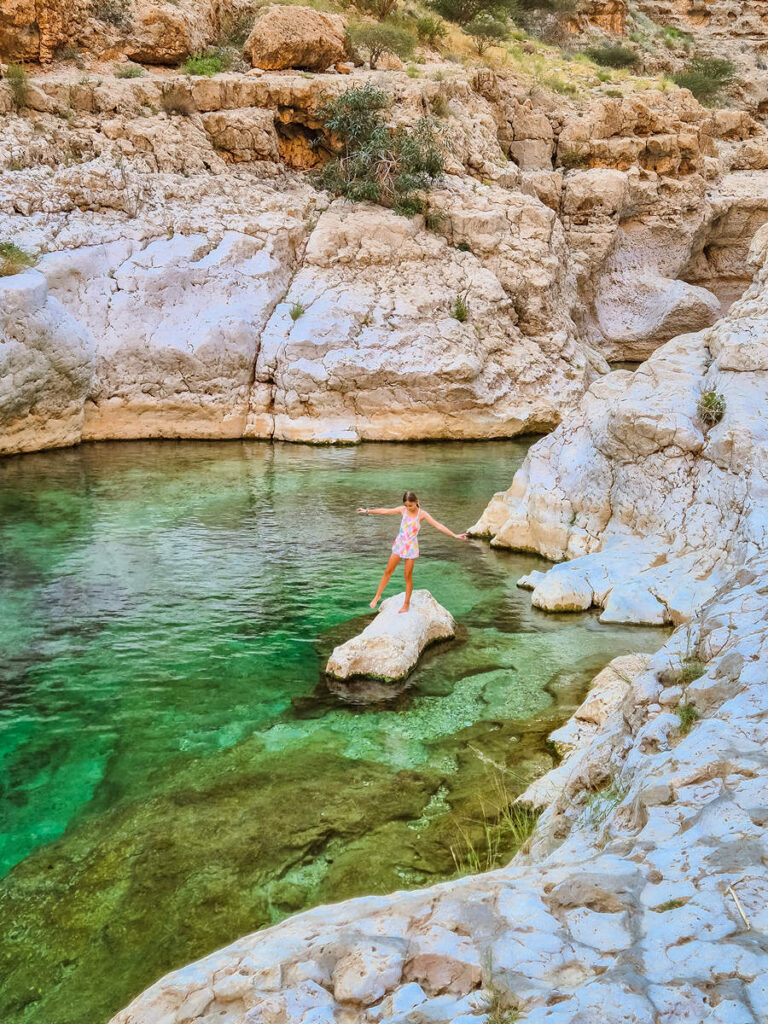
(175, 771)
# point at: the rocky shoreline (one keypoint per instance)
(641, 897)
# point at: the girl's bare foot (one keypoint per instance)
(405, 608)
(374, 602)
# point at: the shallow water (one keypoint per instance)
(174, 771)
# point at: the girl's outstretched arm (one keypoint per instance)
(441, 528)
(381, 511)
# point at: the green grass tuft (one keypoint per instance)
(14, 259)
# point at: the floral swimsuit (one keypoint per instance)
(407, 541)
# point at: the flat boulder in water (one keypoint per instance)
(391, 645)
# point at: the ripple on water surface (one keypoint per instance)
(175, 773)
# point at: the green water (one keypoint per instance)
(174, 771)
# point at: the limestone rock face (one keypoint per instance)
(295, 37)
(46, 363)
(390, 646)
(635, 859)
(652, 505)
(170, 195)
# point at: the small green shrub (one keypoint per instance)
(373, 162)
(486, 31)
(433, 220)
(379, 9)
(431, 30)
(373, 41)
(604, 76)
(711, 407)
(205, 65)
(14, 259)
(691, 669)
(613, 55)
(706, 77)
(18, 82)
(463, 247)
(687, 714)
(412, 71)
(297, 309)
(460, 308)
(129, 71)
(114, 12)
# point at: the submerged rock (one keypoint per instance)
(391, 645)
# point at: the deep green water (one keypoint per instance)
(173, 771)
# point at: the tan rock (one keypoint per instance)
(296, 37)
(243, 135)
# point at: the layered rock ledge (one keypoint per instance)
(390, 646)
(191, 282)
(652, 505)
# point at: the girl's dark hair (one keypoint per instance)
(410, 496)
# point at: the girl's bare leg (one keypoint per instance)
(391, 566)
(408, 584)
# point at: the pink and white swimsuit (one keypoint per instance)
(407, 541)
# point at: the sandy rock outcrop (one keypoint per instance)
(390, 646)
(155, 33)
(652, 505)
(642, 897)
(295, 37)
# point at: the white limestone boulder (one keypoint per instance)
(391, 645)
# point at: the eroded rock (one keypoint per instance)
(389, 647)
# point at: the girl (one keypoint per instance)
(407, 541)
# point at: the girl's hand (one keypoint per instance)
(362, 511)
(460, 536)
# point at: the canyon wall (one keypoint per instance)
(192, 282)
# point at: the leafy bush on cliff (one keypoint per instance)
(431, 29)
(706, 77)
(613, 55)
(486, 31)
(375, 163)
(373, 41)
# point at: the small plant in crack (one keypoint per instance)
(492, 1000)
(460, 308)
(600, 803)
(687, 714)
(669, 905)
(297, 310)
(711, 407)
